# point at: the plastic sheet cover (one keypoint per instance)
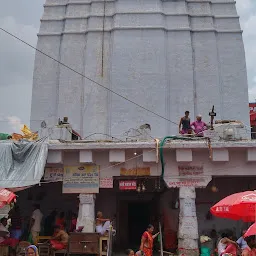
(22, 163)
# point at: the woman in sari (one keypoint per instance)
(147, 241)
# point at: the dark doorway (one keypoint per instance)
(138, 220)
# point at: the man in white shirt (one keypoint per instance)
(35, 222)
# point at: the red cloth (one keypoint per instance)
(60, 222)
(239, 206)
(6, 197)
(149, 241)
(249, 251)
(231, 249)
(12, 242)
(57, 245)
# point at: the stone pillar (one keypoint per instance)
(86, 213)
(188, 227)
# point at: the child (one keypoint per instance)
(129, 252)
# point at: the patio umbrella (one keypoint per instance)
(239, 206)
(6, 197)
(251, 231)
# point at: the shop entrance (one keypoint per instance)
(138, 220)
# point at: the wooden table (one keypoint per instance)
(83, 243)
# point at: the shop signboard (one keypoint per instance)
(140, 171)
(106, 182)
(197, 182)
(189, 176)
(53, 174)
(81, 179)
(190, 170)
(127, 184)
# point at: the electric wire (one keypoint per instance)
(88, 78)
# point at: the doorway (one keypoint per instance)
(138, 220)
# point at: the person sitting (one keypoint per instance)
(59, 240)
(231, 249)
(5, 235)
(31, 250)
(60, 221)
(249, 250)
(129, 252)
(73, 223)
(103, 225)
(224, 242)
(199, 126)
(241, 241)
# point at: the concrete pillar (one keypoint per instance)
(188, 227)
(86, 213)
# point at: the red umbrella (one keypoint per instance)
(239, 206)
(6, 197)
(251, 231)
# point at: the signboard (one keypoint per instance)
(86, 199)
(127, 184)
(252, 107)
(53, 174)
(188, 207)
(81, 179)
(197, 182)
(188, 170)
(143, 171)
(106, 182)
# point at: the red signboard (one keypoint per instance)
(252, 107)
(127, 185)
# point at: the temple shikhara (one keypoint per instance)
(142, 108)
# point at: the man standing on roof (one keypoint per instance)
(185, 124)
(199, 126)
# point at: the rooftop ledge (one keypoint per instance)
(174, 144)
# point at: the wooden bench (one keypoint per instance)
(64, 252)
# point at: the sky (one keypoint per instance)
(22, 18)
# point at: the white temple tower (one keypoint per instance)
(166, 55)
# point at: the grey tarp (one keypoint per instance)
(22, 163)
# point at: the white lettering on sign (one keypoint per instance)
(222, 209)
(128, 185)
(190, 170)
(106, 182)
(198, 182)
(249, 198)
(252, 109)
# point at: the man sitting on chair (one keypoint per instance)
(5, 235)
(103, 226)
(59, 240)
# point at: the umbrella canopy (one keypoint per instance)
(251, 231)
(6, 197)
(239, 206)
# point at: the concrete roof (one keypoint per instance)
(79, 145)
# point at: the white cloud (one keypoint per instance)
(15, 123)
